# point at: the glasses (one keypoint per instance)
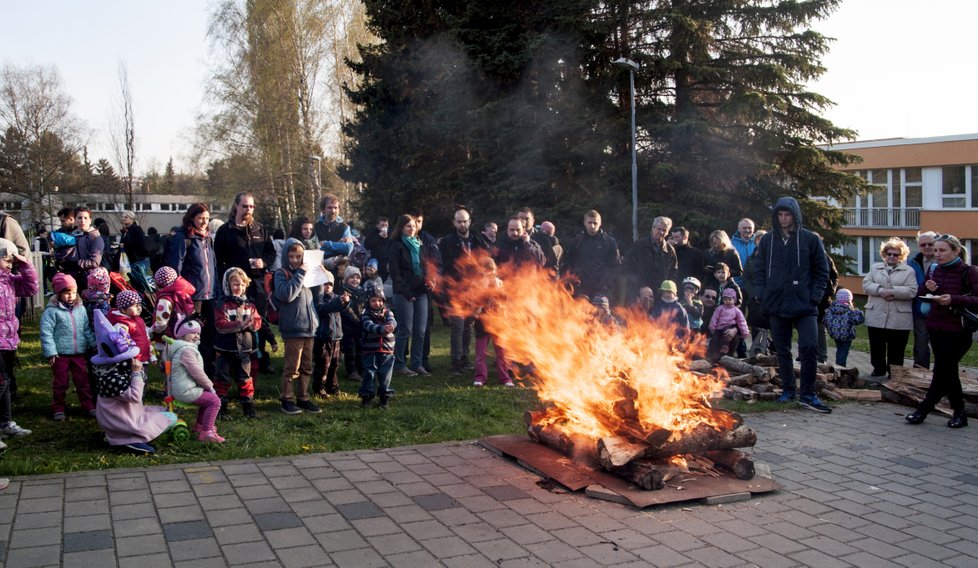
(943, 237)
(893, 254)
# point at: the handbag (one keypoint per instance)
(969, 318)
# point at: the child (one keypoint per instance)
(236, 343)
(370, 274)
(12, 285)
(188, 382)
(727, 320)
(350, 344)
(378, 347)
(723, 281)
(119, 382)
(298, 322)
(65, 337)
(128, 307)
(329, 336)
(97, 295)
(841, 319)
(175, 298)
(669, 310)
(691, 302)
(482, 338)
(602, 311)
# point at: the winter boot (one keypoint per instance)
(222, 414)
(248, 408)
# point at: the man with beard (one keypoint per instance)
(542, 239)
(592, 258)
(517, 247)
(461, 244)
(335, 237)
(689, 258)
(244, 243)
(488, 234)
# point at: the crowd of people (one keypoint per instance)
(368, 301)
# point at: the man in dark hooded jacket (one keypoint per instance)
(790, 283)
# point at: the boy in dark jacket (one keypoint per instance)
(237, 321)
(378, 348)
(350, 344)
(329, 335)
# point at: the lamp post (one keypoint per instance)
(632, 68)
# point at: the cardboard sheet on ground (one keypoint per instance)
(577, 475)
(312, 261)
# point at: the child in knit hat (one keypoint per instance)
(188, 383)
(371, 274)
(350, 344)
(175, 298)
(378, 347)
(128, 310)
(21, 283)
(668, 310)
(841, 319)
(97, 296)
(65, 337)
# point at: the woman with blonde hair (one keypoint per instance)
(722, 250)
(891, 286)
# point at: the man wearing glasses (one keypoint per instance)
(790, 284)
(921, 263)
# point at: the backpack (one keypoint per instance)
(271, 314)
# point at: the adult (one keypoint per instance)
(243, 242)
(823, 306)
(154, 247)
(132, 241)
(89, 248)
(191, 253)
(651, 260)
(550, 230)
(11, 230)
(543, 240)
(891, 286)
(66, 216)
(592, 259)
(409, 273)
(517, 248)
(743, 243)
(721, 250)
(430, 244)
(488, 234)
(789, 285)
(377, 244)
(759, 324)
(455, 248)
(955, 284)
(335, 238)
(921, 264)
(689, 258)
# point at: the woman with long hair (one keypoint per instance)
(411, 286)
(950, 283)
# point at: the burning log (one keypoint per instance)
(735, 461)
(700, 366)
(705, 438)
(547, 434)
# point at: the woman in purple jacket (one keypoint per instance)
(949, 282)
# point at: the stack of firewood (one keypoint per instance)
(908, 386)
(757, 378)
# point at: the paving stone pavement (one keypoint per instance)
(861, 488)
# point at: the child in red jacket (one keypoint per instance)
(128, 311)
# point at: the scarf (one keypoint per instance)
(414, 246)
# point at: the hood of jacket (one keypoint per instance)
(180, 286)
(285, 250)
(786, 204)
(54, 302)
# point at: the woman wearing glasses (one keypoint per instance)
(891, 286)
(950, 282)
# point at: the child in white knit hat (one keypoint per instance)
(841, 319)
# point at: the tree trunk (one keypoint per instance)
(735, 461)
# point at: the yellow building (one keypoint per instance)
(919, 184)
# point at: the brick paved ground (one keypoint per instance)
(862, 488)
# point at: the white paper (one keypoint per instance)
(312, 262)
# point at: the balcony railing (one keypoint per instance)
(883, 217)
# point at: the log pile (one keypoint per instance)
(757, 378)
(908, 386)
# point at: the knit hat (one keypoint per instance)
(186, 326)
(63, 281)
(350, 271)
(843, 296)
(601, 301)
(729, 293)
(372, 263)
(164, 277)
(668, 286)
(7, 248)
(127, 299)
(98, 280)
(374, 291)
(113, 342)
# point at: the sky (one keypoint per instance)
(895, 69)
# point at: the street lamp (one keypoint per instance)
(632, 68)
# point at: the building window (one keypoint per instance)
(164, 206)
(954, 192)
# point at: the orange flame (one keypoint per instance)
(597, 380)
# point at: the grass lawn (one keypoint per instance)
(424, 410)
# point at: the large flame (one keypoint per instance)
(596, 380)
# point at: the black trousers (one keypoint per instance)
(887, 347)
(948, 347)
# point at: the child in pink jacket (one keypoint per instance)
(12, 285)
(726, 322)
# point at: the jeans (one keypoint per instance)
(842, 352)
(921, 342)
(461, 339)
(377, 369)
(412, 321)
(807, 351)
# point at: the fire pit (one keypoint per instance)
(619, 400)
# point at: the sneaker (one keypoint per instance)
(405, 371)
(365, 400)
(509, 384)
(210, 436)
(813, 403)
(383, 402)
(60, 417)
(289, 407)
(12, 430)
(308, 406)
(92, 413)
(455, 370)
(422, 371)
(785, 398)
(467, 366)
(223, 414)
(478, 384)
(355, 376)
(139, 448)
(3, 446)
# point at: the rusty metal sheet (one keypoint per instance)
(577, 475)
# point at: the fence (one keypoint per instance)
(882, 217)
